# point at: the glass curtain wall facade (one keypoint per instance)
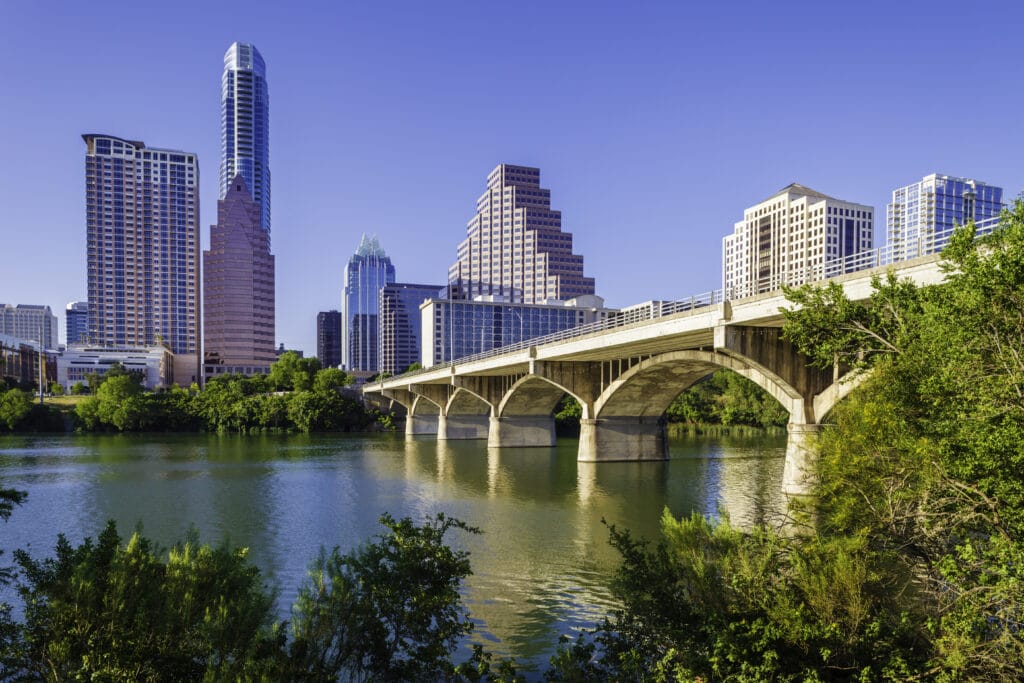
(453, 329)
(368, 271)
(797, 235)
(142, 224)
(245, 125)
(400, 324)
(76, 322)
(515, 246)
(328, 338)
(922, 215)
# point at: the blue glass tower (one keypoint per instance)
(367, 273)
(245, 125)
(923, 215)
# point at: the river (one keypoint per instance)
(541, 567)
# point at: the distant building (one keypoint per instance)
(281, 351)
(142, 218)
(156, 363)
(400, 324)
(19, 362)
(515, 246)
(328, 338)
(76, 322)
(29, 322)
(368, 271)
(922, 215)
(238, 289)
(797, 235)
(245, 126)
(453, 329)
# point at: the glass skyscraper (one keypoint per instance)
(368, 271)
(400, 324)
(922, 215)
(328, 338)
(76, 319)
(142, 219)
(245, 125)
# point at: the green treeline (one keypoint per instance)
(297, 395)
(907, 564)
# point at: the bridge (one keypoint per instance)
(625, 372)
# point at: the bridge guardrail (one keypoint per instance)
(888, 254)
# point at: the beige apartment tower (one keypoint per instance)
(515, 247)
(797, 235)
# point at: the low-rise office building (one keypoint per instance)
(156, 363)
(453, 329)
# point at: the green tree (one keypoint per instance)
(15, 405)
(113, 612)
(331, 379)
(56, 388)
(291, 372)
(78, 388)
(389, 610)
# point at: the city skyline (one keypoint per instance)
(641, 133)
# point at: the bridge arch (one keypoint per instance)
(465, 402)
(534, 395)
(647, 389)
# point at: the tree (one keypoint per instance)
(331, 379)
(15, 405)
(56, 388)
(78, 388)
(290, 372)
(107, 611)
(390, 610)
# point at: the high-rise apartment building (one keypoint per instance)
(245, 126)
(367, 272)
(29, 322)
(328, 338)
(238, 289)
(76, 322)
(400, 324)
(515, 246)
(922, 215)
(797, 235)
(142, 218)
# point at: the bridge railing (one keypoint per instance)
(930, 243)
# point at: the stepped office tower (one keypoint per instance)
(922, 215)
(142, 221)
(245, 126)
(515, 245)
(238, 291)
(797, 235)
(368, 271)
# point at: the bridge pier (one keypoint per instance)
(455, 427)
(521, 431)
(610, 439)
(798, 477)
(421, 424)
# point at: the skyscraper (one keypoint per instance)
(922, 215)
(238, 291)
(515, 246)
(328, 338)
(142, 223)
(400, 324)
(797, 235)
(367, 272)
(76, 322)
(245, 125)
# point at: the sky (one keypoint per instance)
(654, 124)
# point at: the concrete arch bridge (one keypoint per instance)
(626, 373)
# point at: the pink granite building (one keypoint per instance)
(238, 288)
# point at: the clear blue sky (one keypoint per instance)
(654, 123)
